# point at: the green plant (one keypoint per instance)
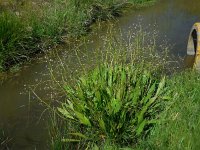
(179, 128)
(11, 35)
(114, 102)
(23, 33)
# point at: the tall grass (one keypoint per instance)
(11, 35)
(38, 24)
(180, 126)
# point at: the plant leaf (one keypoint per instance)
(160, 86)
(140, 128)
(70, 140)
(82, 118)
(65, 113)
(102, 124)
(150, 93)
(79, 135)
(116, 105)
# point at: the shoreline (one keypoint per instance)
(31, 37)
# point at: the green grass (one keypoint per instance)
(181, 121)
(11, 35)
(27, 27)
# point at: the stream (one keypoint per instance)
(20, 111)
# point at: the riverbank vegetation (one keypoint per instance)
(29, 27)
(117, 101)
(127, 100)
(179, 128)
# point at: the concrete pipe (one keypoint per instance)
(193, 47)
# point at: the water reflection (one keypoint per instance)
(189, 61)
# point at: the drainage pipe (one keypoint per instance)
(193, 47)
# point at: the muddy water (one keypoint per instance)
(172, 19)
(19, 109)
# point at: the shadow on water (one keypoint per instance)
(19, 109)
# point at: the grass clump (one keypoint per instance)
(114, 102)
(11, 38)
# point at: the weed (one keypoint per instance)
(114, 102)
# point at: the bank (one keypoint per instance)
(31, 27)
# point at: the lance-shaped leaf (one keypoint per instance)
(65, 113)
(82, 118)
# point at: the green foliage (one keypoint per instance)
(11, 34)
(32, 25)
(129, 81)
(114, 102)
(180, 124)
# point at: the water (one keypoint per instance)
(19, 108)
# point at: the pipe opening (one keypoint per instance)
(194, 38)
